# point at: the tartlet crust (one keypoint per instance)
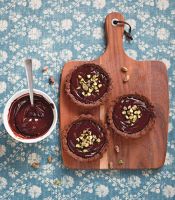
(138, 134)
(73, 155)
(100, 101)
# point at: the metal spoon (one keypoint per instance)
(28, 67)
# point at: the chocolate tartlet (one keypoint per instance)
(88, 85)
(85, 139)
(131, 116)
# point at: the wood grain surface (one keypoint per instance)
(148, 78)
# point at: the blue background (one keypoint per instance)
(51, 33)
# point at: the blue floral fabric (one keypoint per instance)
(51, 33)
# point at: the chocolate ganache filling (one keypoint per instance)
(132, 113)
(86, 138)
(89, 83)
(29, 121)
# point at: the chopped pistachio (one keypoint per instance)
(130, 117)
(124, 112)
(45, 69)
(98, 140)
(132, 113)
(90, 137)
(49, 159)
(86, 144)
(35, 165)
(124, 108)
(89, 85)
(128, 112)
(135, 117)
(110, 164)
(95, 83)
(134, 120)
(131, 110)
(57, 182)
(90, 90)
(138, 112)
(117, 148)
(134, 107)
(124, 69)
(126, 78)
(120, 162)
(86, 139)
(85, 87)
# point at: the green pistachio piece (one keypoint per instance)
(131, 110)
(77, 145)
(90, 90)
(130, 117)
(120, 162)
(126, 117)
(138, 112)
(134, 107)
(95, 83)
(124, 108)
(85, 87)
(98, 140)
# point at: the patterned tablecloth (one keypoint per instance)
(53, 32)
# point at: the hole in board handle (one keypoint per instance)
(115, 21)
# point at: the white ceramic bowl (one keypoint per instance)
(6, 111)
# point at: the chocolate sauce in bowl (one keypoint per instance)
(76, 131)
(29, 121)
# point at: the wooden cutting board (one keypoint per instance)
(148, 78)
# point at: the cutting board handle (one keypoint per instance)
(114, 34)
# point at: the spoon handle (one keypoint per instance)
(28, 67)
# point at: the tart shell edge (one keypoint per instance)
(73, 155)
(138, 134)
(100, 101)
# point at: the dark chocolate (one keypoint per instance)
(29, 121)
(76, 130)
(121, 122)
(84, 70)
